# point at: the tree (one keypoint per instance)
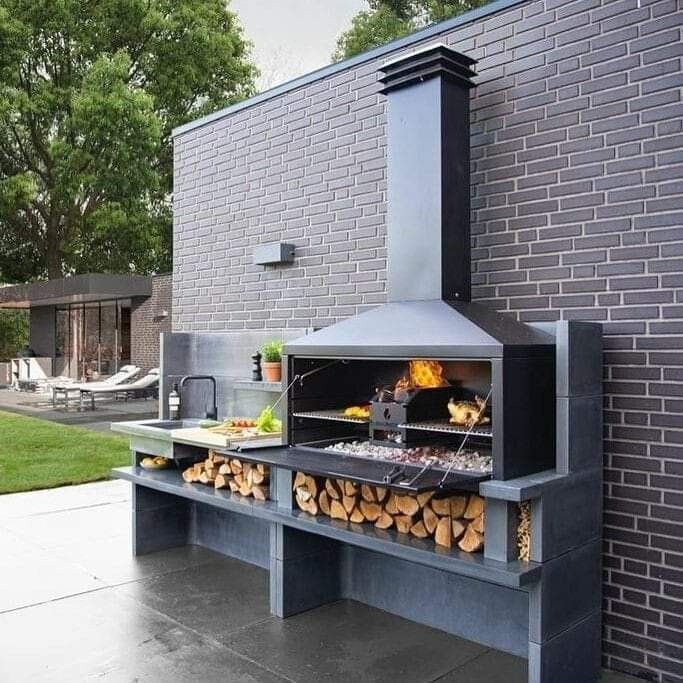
(90, 91)
(387, 20)
(13, 333)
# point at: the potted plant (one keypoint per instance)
(272, 360)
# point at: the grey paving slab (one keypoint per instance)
(15, 505)
(107, 635)
(214, 599)
(110, 559)
(347, 641)
(31, 575)
(490, 667)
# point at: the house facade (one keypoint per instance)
(91, 325)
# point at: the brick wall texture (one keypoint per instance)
(147, 324)
(577, 191)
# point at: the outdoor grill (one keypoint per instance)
(382, 359)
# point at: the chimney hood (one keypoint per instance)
(429, 312)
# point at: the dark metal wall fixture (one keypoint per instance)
(543, 437)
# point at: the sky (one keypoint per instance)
(293, 37)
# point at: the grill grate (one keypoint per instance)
(334, 415)
(447, 428)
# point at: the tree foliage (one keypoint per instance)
(387, 20)
(90, 91)
(13, 333)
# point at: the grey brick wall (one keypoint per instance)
(147, 323)
(577, 129)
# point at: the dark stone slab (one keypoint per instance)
(568, 592)
(579, 358)
(571, 656)
(243, 537)
(213, 599)
(567, 516)
(488, 614)
(160, 521)
(501, 530)
(579, 433)
(351, 642)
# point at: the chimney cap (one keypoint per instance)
(426, 62)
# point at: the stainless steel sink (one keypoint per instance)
(169, 424)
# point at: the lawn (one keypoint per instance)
(37, 454)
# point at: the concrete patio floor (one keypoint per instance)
(108, 411)
(75, 605)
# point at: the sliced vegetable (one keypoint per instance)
(205, 424)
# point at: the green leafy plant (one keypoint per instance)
(272, 351)
(267, 423)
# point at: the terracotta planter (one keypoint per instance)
(272, 372)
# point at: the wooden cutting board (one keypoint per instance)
(205, 436)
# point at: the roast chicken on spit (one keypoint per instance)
(468, 413)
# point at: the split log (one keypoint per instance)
(371, 511)
(245, 489)
(458, 529)
(424, 498)
(299, 480)
(458, 506)
(260, 492)
(225, 469)
(234, 486)
(390, 504)
(303, 494)
(381, 493)
(384, 521)
(430, 519)
(337, 511)
(188, 475)
(311, 484)
(350, 489)
(258, 477)
(332, 489)
(407, 505)
(221, 481)
(369, 494)
(475, 507)
(418, 529)
(472, 541)
(441, 506)
(478, 523)
(442, 535)
(236, 466)
(403, 523)
(324, 503)
(357, 516)
(349, 502)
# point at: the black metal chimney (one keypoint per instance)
(428, 181)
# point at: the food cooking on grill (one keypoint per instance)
(362, 412)
(468, 413)
(468, 460)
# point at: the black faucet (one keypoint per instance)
(213, 413)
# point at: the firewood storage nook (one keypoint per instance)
(399, 416)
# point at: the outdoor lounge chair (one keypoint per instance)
(125, 374)
(143, 387)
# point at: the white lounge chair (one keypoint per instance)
(125, 374)
(145, 386)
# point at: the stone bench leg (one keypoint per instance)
(305, 569)
(160, 520)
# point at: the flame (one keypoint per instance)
(424, 374)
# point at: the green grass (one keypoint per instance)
(37, 454)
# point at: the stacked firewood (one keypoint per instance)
(524, 531)
(453, 519)
(245, 478)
